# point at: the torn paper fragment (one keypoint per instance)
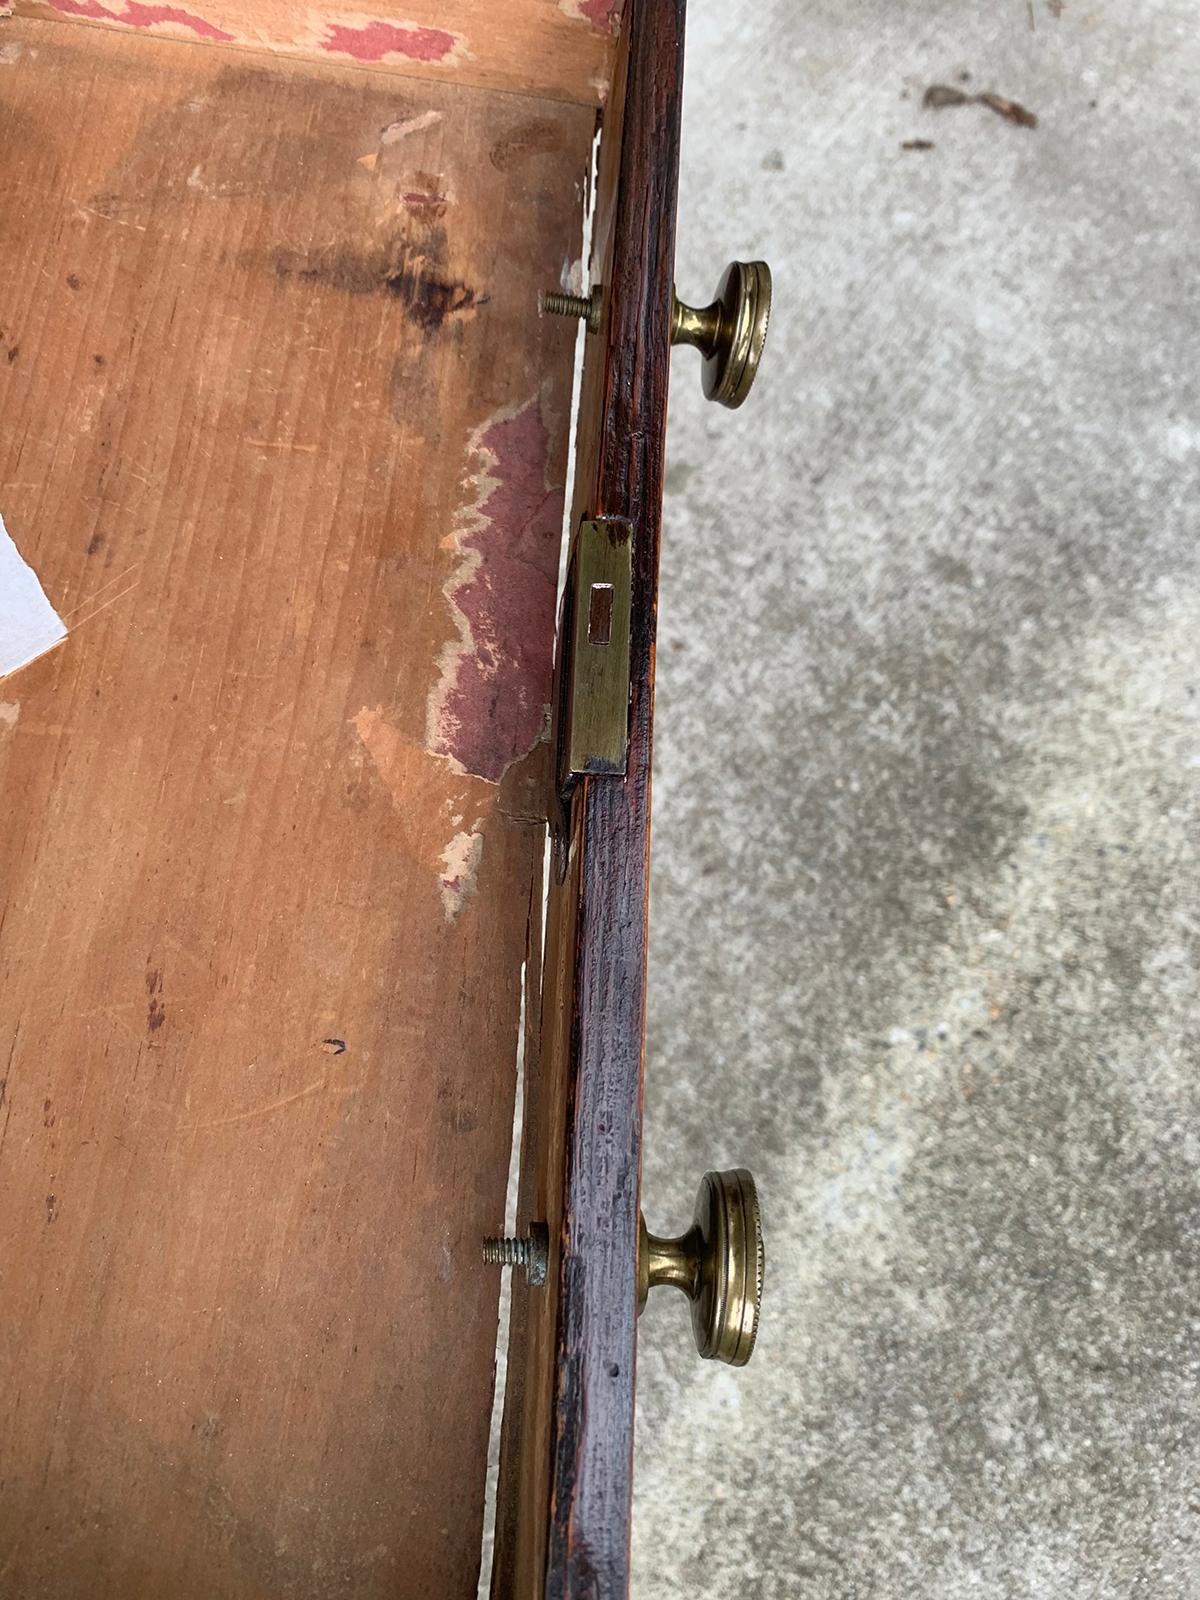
(29, 624)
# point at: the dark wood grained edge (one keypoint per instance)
(597, 1337)
(567, 1458)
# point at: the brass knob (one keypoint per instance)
(730, 333)
(718, 1263)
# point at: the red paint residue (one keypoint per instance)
(374, 40)
(602, 14)
(421, 199)
(136, 15)
(490, 705)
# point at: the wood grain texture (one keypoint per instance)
(555, 49)
(284, 437)
(563, 1521)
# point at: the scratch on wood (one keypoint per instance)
(5, 1097)
(96, 593)
(283, 444)
(104, 607)
(395, 131)
(256, 1111)
(121, 222)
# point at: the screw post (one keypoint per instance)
(506, 1252)
(530, 1253)
(587, 307)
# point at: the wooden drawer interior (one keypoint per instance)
(285, 438)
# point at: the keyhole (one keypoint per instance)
(600, 613)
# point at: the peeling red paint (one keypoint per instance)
(602, 14)
(374, 40)
(136, 15)
(489, 706)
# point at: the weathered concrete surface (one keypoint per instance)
(925, 905)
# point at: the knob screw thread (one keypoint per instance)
(530, 1254)
(507, 1252)
(586, 307)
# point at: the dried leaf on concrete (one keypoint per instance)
(940, 95)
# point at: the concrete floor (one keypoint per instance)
(925, 911)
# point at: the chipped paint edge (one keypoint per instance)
(461, 861)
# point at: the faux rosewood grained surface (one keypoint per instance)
(285, 438)
(566, 1475)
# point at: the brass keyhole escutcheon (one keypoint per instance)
(730, 333)
(718, 1263)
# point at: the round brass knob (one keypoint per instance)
(718, 1263)
(730, 333)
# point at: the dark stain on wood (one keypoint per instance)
(515, 149)
(429, 296)
(156, 1012)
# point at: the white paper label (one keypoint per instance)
(29, 624)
